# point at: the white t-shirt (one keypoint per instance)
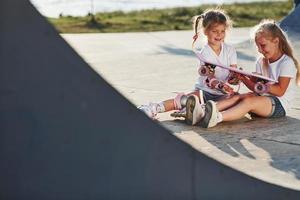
(283, 67)
(226, 57)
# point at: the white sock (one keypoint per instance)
(219, 117)
(160, 107)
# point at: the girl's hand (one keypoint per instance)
(254, 79)
(243, 78)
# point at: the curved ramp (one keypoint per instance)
(291, 22)
(67, 134)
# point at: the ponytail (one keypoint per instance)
(288, 50)
(271, 29)
(196, 22)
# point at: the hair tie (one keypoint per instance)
(195, 37)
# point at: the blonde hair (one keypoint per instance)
(269, 29)
(209, 18)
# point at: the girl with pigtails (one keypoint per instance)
(213, 23)
(278, 62)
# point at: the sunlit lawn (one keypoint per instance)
(243, 15)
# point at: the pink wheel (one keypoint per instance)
(220, 85)
(213, 83)
(203, 71)
(260, 88)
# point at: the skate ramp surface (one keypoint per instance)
(154, 66)
(291, 23)
(67, 134)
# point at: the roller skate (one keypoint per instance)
(150, 110)
(178, 114)
(207, 70)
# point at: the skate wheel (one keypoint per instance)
(213, 83)
(220, 85)
(203, 71)
(178, 114)
(206, 71)
(260, 88)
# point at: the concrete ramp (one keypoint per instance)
(291, 23)
(67, 134)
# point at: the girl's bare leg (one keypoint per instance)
(229, 102)
(259, 105)
(169, 105)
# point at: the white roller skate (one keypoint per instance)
(178, 114)
(194, 110)
(150, 110)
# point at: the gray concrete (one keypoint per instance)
(154, 66)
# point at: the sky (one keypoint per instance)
(52, 8)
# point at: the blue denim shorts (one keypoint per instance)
(208, 96)
(277, 108)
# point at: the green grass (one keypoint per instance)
(243, 15)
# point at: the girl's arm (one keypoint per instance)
(248, 82)
(278, 89)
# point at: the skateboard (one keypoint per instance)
(209, 68)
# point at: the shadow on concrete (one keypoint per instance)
(190, 53)
(177, 51)
(244, 56)
(278, 137)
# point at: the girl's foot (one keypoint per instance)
(210, 117)
(150, 110)
(194, 110)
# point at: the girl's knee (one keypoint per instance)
(247, 95)
(254, 102)
(236, 97)
(248, 100)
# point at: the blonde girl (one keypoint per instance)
(214, 23)
(278, 62)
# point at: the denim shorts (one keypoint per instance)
(208, 96)
(277, 108)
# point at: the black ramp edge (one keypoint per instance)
(67, 134)
(291, 23)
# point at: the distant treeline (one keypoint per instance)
(243, 15)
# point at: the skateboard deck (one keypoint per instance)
(239, 71)
(261, 81)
